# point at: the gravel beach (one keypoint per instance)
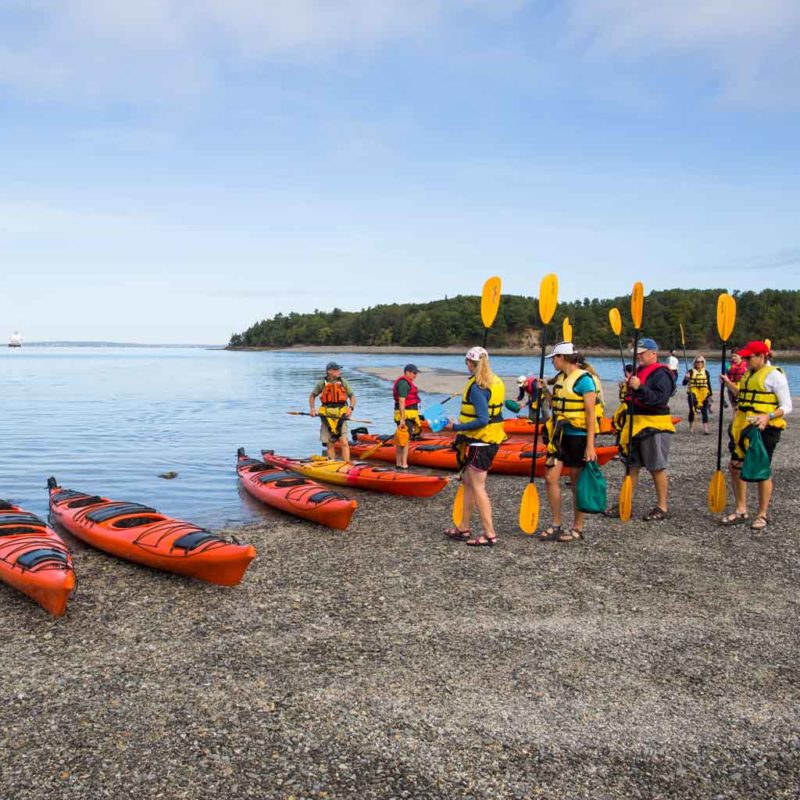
(652, 660)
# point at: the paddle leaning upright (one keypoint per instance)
(726, 319)
(529, 507)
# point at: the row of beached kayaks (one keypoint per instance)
(35, 560)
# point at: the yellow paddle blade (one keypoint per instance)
(637, 304)
(548, 297)
(529, 509)
(566, 330)
(726, 316)
(458, 507)
(490, 301)
(615, 320)
(683, 336)
(717, 493)
(768, 343)
(626, 499)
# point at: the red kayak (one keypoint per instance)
(361, 475)
(139, 533)
(294, 494)
(34, 559)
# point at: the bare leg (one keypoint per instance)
(661, 482)
(578, 517)
(551, 480)
(764, 496)
(475, 481)
(739, 490)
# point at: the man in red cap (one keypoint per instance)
(763, 400)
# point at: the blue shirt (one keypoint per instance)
(479, 398)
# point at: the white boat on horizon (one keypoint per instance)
(15, 340)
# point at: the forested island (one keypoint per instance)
(771, 313)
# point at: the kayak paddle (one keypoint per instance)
(529, 507)
(490, 303)
(683, 345)
(768, 342)
(615, 320)
(566, 330)
(726, 319)
(307, 414)
(626, 492)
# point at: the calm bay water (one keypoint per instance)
(109, 420)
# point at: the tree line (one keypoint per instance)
(772, 314)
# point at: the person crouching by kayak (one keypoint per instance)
(699, 395)
(406, 413)
(479, 434)
(529, 395)
(335, 394)
(571, 431)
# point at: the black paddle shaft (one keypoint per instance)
(631, 410)
(721, 409)
(538, 407)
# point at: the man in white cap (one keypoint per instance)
(647, 445)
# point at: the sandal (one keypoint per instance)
(736, 518)
(759, 525)
(549, 534)
(572, 535)
(482, 541)
(613, 512)
(457, 534)
(656, 515)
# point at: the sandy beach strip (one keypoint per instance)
(652, 660)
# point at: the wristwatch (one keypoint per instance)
(771, 415)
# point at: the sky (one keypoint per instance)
(175, 170)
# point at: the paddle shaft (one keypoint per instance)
(538, 408)
(721, 410)
(631, 406)
(621, 354)
(307, 414)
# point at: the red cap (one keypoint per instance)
(754, 349)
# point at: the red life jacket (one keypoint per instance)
(643, 373)
(334, 394)
(412, 399)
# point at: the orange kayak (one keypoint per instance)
(513, 460)
(294, 494)
(139, 533)
(34, 559)
(522, 426)
(361, 475)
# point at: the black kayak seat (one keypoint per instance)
(65, 494)
(285, 483)
(431, 448)
(85, 500)
(189, 541)
(22, 519)
(35, 557)
(19, 530)
(276, 476)
(321, 497)
(117, 510)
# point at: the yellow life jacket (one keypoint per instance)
(753, 397)
(699, 386)
(567, 404)
(492, 433)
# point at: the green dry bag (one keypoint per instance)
(755, 467)
(590, 492)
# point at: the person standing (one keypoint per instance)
(572, 429)
(763, 400)
(479, 434)
(736, 371)
(673, 363)
(337, 403)
(406, 413)
(699, 394)
(649, 391)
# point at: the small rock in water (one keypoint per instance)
(168, 475)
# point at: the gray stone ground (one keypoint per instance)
(652, 660)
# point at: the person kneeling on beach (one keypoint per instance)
(571, 431)
(406, 413)
(479, 433)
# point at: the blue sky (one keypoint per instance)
(174, 171)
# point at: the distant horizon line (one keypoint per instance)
(104, 343)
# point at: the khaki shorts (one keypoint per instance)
(325, 434)
(652, 452)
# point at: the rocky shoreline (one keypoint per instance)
(652, 660)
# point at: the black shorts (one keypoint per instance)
(571, 450)
(477, 455)
(770, 436)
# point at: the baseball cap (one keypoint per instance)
(410, 368)
(522, 380)
(648, 344)
(754, 349)
(333, 365)
(563, 349)
(476, 354)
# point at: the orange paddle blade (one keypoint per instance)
(637, 304)
(490, 301)
(458, 507)
(717, 493)
(529, 509)
(566, 330)
(615, 320)
(548, 297)
(726, 316)
(626, 499)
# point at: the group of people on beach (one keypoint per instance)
(571, 405)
